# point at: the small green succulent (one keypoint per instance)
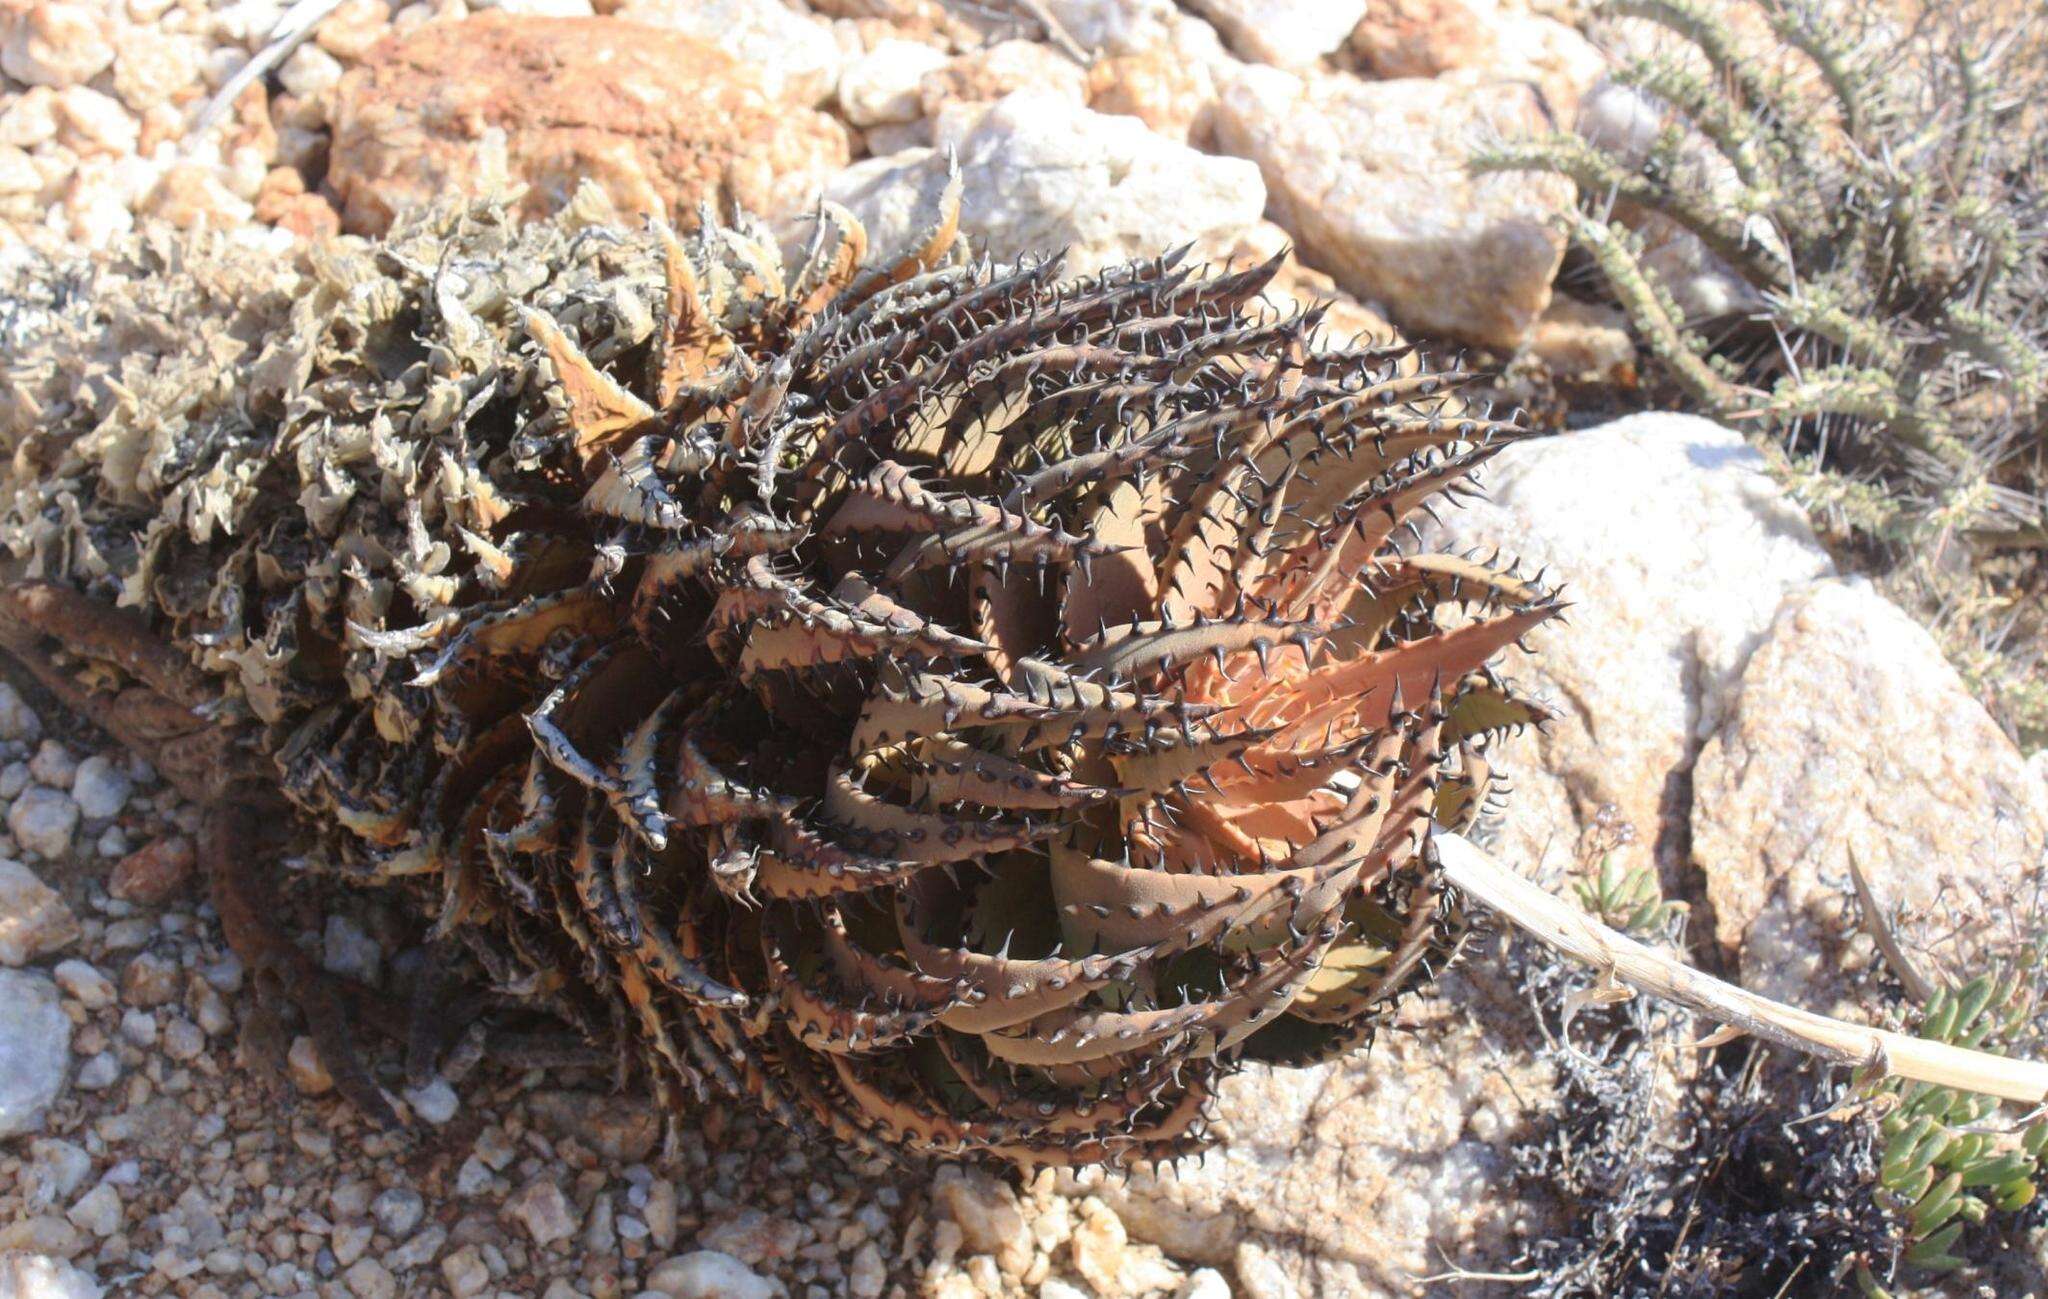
(1948, 1161)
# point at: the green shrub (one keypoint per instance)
(1875, 193)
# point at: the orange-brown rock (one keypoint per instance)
(1475, 41)
(658, 120)
(250, 127)
(353, 28)
(1158, 86)
(191, 197)
(284, 202)
(153, 873)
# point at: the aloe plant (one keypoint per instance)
(960, 709)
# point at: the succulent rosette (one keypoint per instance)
(958, 708)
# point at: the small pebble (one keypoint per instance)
(473, 1178)
(866, 1276)
(128, 933)
(138, 1027)
(56, 1168)
(34, 918)
(661, 1213)
(599, 1234)
(349, 1241)
(368, 1279)
(1207, 1283)
(43, 820)
(466, 1272)
(39, 1276)
(351, 1199)
(398, 1210)
(223, 975)
(211, 1010)
(97, 1211)
(98, 1072)
(43, 1234)
(150, 980)
(350, 951)
(494, 1147)
(420, 1250)
(708, 1274)
(17, 720)
(100, 787)
(183, 1040)
(309, 72)
(542, 1209)
(54, 44)
(53, 765)
(155, 872)
(309, 1075)
(436, 1102)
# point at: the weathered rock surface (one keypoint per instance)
(1848, 738)
(1042, 173)
(1162, 69)
(53, 44)
(1124, 26)
(1675, 549)
(1170, 94)
(1348, 1178)
(987, 75)
(881, 86)
(1740, 717)
(657, 119)
(34, 920)
(1290, 33)
(35, 1049)
(795, 55)
(1471, 41)
(1364, 174)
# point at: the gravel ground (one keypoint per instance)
(165, 1166)
(142, 1156)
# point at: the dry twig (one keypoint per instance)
(1564, 928)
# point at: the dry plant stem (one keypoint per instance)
(293, 26)
(1564, 928)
